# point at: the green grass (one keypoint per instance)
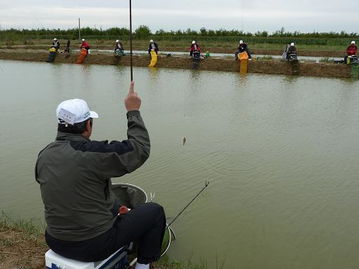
(26, 226)
(32, 231)
(184, 44)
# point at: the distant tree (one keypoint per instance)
(203, 31)
(161, 32)
(261, 34)
(142, 31)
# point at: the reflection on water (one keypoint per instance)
(280, 152)
(153, 73)
(290, 79)
(195, 74)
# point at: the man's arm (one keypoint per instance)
(126, 156)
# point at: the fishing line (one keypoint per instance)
(171, 232)
(194, 198)
(131, 64)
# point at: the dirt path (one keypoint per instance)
(211, 63)
(21, 250)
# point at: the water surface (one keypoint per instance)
(281, 154)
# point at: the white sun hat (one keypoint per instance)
(74, 111)
(193, 42)
(353, 42)
(151, 41)
(292, 44)
(83, 39)
(240, 41)
(117, 40)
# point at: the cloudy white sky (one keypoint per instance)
(249, 15)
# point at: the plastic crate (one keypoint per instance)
(117, 260)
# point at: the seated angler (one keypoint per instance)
(74, 173)
(291, 51)
(85, 45)
(195, 48)
(352, 50)
(119, 50)
(242, 47)
(153, 46)
(56, 44)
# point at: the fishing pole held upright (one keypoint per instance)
(131, 64)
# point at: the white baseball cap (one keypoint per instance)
(83, 39)
(55, 38)
(74, 111)
(193, 42)
(117, 40)
(292, 44)
(151, 40)
(353, 42)
(240, 41)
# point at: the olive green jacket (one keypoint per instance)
(75, 173)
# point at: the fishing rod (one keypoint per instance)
(131, 64)
(194, 198)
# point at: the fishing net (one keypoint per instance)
(129, 195)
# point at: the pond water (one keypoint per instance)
(281, 155)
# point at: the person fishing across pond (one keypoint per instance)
(85, 45)
(351, 51)
(119, 50)
(67, 48)
(74, 173)
(195, 48)
(153, 46)
(291, 50)
(55, 44)
(118, 45)
(242, 47)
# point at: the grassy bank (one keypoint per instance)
(22, 246)
(256, 45)
(262, 65)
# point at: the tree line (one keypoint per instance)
(144, 32)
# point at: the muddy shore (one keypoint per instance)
(214, 64)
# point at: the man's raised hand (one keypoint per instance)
(132, 100)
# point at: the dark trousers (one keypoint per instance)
(144, 225)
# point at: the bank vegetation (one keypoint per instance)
(221, 36)
(22, 246)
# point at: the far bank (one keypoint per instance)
(265, 66)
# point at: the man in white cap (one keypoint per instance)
(85, 45)
(195, 49)
(291, 52)
(119, 50)
(55, 44)
(352, 50)
(74, 174)
(153, 46)
(242, 47)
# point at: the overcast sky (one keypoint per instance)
(249, 15)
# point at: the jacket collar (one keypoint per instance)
(71, 137)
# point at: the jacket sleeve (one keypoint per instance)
(121, 157)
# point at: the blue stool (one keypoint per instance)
(117, 260)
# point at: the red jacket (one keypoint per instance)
(352, 50)
(85, 45)
(195, 47)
